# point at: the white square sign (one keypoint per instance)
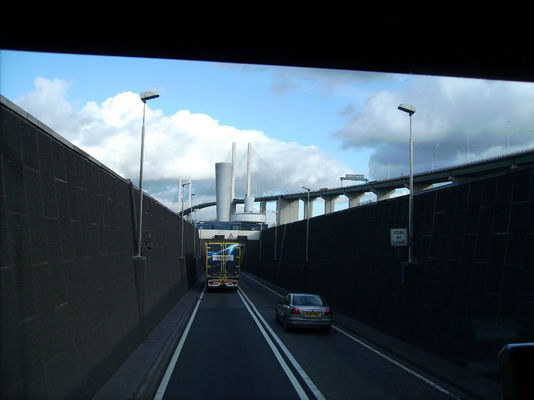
(399, 237)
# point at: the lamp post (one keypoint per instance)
(275, 232)
(182, 215)
(192, 220)
(145, 96)
(191, 202)
(407, 108)
(307, 220)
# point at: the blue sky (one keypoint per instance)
(309, 126)
(286, 103)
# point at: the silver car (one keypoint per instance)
(303, 310)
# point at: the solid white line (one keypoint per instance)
(168, 373)
(316, 392)
(259, 283)
(285, 367)
(405, 368)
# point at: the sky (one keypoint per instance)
(307, 126)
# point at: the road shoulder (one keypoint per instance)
(139, 376)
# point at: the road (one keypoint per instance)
(234, 349)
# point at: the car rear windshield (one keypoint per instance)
(307, 300)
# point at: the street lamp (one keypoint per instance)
(192, 220)
(145, 96)
(190, 199)
(307, 220)
(407, 108)
(275, 232)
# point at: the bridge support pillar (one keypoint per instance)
(383, 194)
(288, 211)
(354, 198)
(329, 204)
(308, 212)
(232, 210)
(419, 187)
(263, 207)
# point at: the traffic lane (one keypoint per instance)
(225, 356)
(338, 366)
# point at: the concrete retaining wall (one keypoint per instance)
(73, 304)
(471, 292)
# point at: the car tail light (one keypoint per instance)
(295, 310)
(328, 311)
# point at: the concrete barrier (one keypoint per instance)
(75, 302)
(469, 291)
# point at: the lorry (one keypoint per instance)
(223, 263)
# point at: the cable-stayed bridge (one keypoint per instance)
(272, 188)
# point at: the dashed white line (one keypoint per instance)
(398, 364)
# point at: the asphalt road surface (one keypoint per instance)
(234, 349)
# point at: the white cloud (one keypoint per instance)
(453, 115)
(183, 145)
(47, 92)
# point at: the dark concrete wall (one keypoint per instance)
(471, 292)
(73, 304)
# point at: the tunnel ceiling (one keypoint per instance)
(446, 48)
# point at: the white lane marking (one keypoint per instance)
(285, 367)
(405, 368)
(168, 373)
(259, 283)
(316, 392)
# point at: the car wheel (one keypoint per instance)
(286, 325)
(276, 317)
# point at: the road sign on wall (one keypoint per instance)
(399, 237)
